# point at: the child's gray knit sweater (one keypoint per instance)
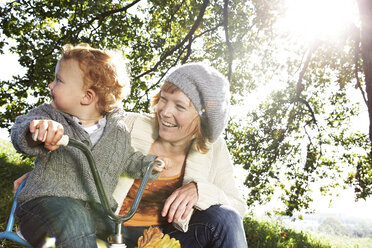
(65, 172)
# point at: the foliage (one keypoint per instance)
(268, 146)
(155, 36)
(268, 234)
(301, 132)
(334, 226)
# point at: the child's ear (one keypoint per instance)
(89, 97)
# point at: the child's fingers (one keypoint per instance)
(58, 135)
(51, 147)
(39, 127)
(34, 125)
(43, 128)
(48, 131)
(54, 133)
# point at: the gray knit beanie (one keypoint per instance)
(209, 91)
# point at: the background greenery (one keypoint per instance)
(301, 135)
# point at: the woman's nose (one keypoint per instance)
(166, 111)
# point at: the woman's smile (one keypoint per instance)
(167, 124)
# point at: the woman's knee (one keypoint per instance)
(224, 225)
(220, 214)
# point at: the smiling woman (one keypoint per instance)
(319, 19)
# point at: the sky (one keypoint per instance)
(344, 204)
(10, 62)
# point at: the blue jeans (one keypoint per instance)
(218, 226)
(74, 223)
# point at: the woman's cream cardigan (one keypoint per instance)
(212, 172)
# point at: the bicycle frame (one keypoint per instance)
(116, 239)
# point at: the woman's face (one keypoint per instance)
(177, 117)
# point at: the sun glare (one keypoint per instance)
(319, 19)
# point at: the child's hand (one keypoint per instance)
(18, 182)
(162, 164)
(50, 132)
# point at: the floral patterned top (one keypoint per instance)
(151, 204)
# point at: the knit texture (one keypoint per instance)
(65, 172)
(209, 91)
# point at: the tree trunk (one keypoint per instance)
(363, 180)
(365, 11)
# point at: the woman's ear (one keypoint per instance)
(89, 97)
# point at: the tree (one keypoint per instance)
(333, 226)
(362, 178)
(297, 134)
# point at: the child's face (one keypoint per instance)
(67, 88)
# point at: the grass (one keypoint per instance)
(260, 234)
(343, 241)
(269, 234)
(12, 166)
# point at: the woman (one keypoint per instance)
(196, 200)
(197, 194)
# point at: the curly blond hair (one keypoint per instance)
(104, 72)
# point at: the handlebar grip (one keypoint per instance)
(62, 142)
(159, 163)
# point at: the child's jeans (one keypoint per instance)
(216, 227)
(74, 223)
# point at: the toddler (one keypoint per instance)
(60, 197)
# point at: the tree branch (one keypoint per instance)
(306, 103)
(111, 12)
(161, 78)
(187, 37)
(356, 69)
(300, 87)
(207, 31)
(188, 47)
(228, 43)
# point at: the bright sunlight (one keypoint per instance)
(319, 19)
(306, 21)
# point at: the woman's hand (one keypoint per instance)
(18, 182)
(180, 202)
